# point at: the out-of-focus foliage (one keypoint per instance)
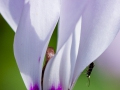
(9, 74)
(10, 78)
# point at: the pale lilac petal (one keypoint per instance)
(70, 13)
(74, 48)
(11, 11)
(60, 68)
(100, 24)
(57, 72)
(109, 61)
(35, 28)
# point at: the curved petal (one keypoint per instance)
(70, 13)
(100, 24)
(11, 11)
(74, 48)
(59, 70)
(35, 28)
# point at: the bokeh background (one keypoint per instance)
(10, 78)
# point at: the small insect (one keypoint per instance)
(90, 68)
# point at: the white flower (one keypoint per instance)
(86, 29)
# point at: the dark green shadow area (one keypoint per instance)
(10, 78)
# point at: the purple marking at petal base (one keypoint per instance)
(35, 87)
(54, 88)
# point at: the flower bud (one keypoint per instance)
(49, 53)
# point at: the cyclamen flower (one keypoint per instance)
(86, 29)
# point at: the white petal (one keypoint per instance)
(75, 47)
(11, 11)
(69, 17)
(59, 70)
(35, 28)
(100, 24)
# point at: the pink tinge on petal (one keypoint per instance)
(35, 87)
(56, 88)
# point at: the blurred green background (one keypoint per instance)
(10, 78)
